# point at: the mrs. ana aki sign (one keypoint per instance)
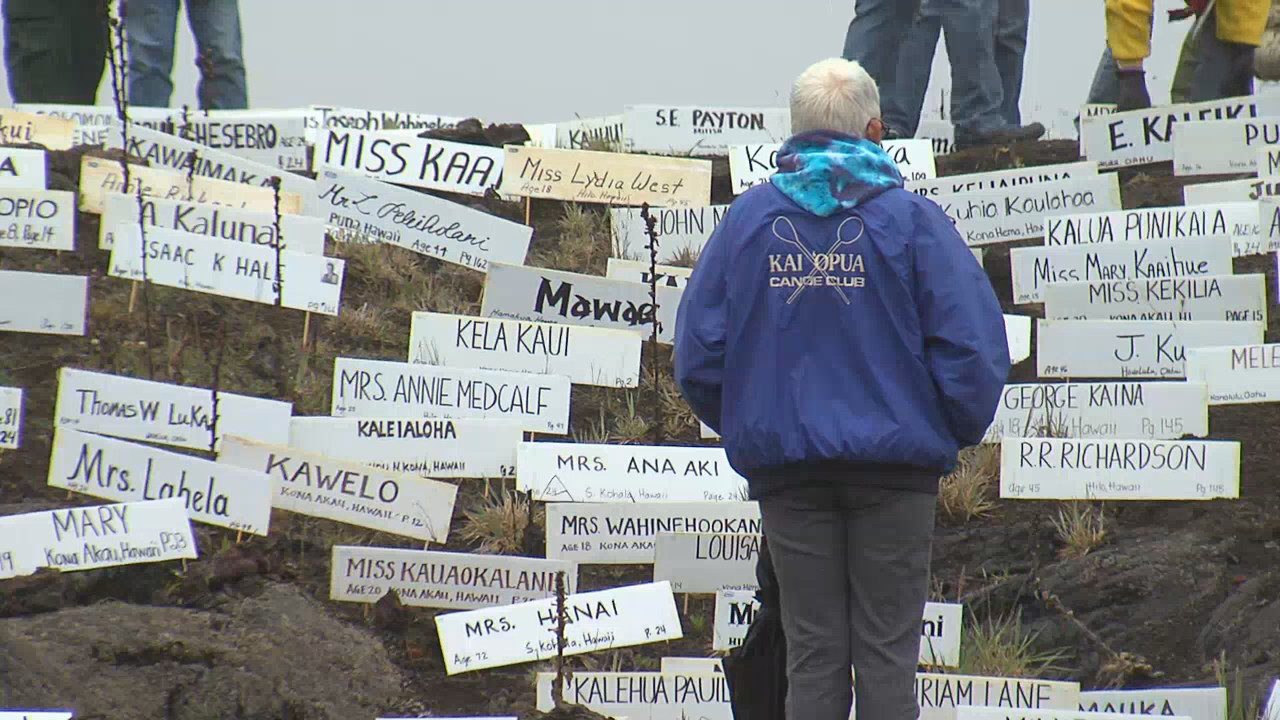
(590, 472)
(1071, 469)
(604, 177)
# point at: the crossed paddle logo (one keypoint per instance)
(816, 266)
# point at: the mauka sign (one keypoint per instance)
(682, 232)
(1146, 136)
(62, 309)
(1209, 703)
(117, 470)
(299, 233)
(1239, 221)
(1156, 410)
(406, 160)
(362, 210)
(37, 219)
(458, 448)
(1131, 348)
(1000, 179)
(700, 130)
(1017, 213)
(591, 472)
(1079, 469)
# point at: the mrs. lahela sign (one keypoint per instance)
(604, 177)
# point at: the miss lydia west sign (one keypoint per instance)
(1131, 348)
(605, 177)
(750, 165)
(526, 632)
(229, 269)
(419, 162)
(380, 388)
(1070, 469)
(458, 448)
(581, 472)
(118, 470)
(363, 210)
(1017, 213)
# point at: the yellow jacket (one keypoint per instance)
(1129, 25)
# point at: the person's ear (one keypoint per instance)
(875, 130)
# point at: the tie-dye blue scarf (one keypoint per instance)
(825, 171)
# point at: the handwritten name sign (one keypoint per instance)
(1208, 703)
(97, 536)
(1169, 266)
(100, 177)
(940, 696)
(62, 309)
(20, 128)
(554, 296)
(1146, 136)
(319, 486)
(706, 562)
(228, 268)
(89, 122)
(124, 471)
(1100, 469)
(750, 165)
(1230, 191)
(37, 219)
(988, 713)
(1239, 221)
(606, 177)
(990, 181)
(588, 355)
(681, 231)
(356, 119)
(1221, 147)
(460, 448)
(22, 168)
(300, 233)
(410, 160)
(644, 695)
(452, 580)
(1272, 710)
(380, 388)
(1237, 374)
(1131, 348)
(360, 209)
(10, 417)
(615, 533)
(37, 715)
(1018, 212)
(591, 472)
(636, 271)
(696, 130)
(1152, 410)
(276, 138)
(1206, 297)
(590, 133)
(601, 620)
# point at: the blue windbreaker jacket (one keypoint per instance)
(837, 329)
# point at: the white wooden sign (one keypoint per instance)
(588, 355)
(638, 271)
(554, 296)
(20, 128)
(385, 389)
(361, 209)
(1152, 410)
(750, 165)
(1237, 375)
(694, 665)
(97, 536)
(940, 695)
(272, 137)
(681, 231)
(38, 715)
(601, 620)
(228, 268)
(1017, 333)
(1208, 703)
(706, 562)
(940, 632)
(1230, 191)
(623, 533)
(993, 713)
(1019, 212)
(1239, 221)
(63, 308)
(1160, 264)
(1206, 297)
(320, 486)
(409, 160)
(452, 580)
(696, 130)
(1139, 137)
(300, 233)
(591, 472)
(358, 119)
(164, 413)
(37, 219)
(606, 177)
(588, 133)
(734, 612)
(1107, 469)
(1221, 147)
(123, 471)
(1000, 179)
(10, 418)
(91, 122)
(1268, 161)
(22, 168)
(644, 695)
(173, 152)
(1272, 710)
(462, 448)
(99, 177)
(1131, 348)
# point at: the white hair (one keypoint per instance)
(834, 94)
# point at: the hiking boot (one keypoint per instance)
(1000, 136)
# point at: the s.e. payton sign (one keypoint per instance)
(1131, 348)
(1146, 136)
(605, 177)
(593, 472)
(1017, 213)
(1153, 410)
(1108, 469)
(299, 233)
(37, 219)
(1237, 374)
(410, 160)
(1239, 221)
(457, 448)
(697, 130)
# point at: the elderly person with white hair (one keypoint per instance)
(845, 343)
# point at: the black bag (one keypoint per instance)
(756, 670)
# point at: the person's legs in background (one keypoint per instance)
(54, 52)
(1223, 68)
(219, 54)
(1180, 90)
(1012, 20)
(902, 112)
(875, 38)
(150, 26)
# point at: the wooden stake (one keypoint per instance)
(528, 209)
(133, 296)
(686, 604)
(239, 535)
(306, 330)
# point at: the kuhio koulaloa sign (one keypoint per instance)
(1017, 213)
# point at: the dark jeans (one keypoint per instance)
(853, 575)
(151, 25)
(55, 51)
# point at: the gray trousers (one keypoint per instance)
(853, 575)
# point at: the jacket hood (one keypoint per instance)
(826, 172)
